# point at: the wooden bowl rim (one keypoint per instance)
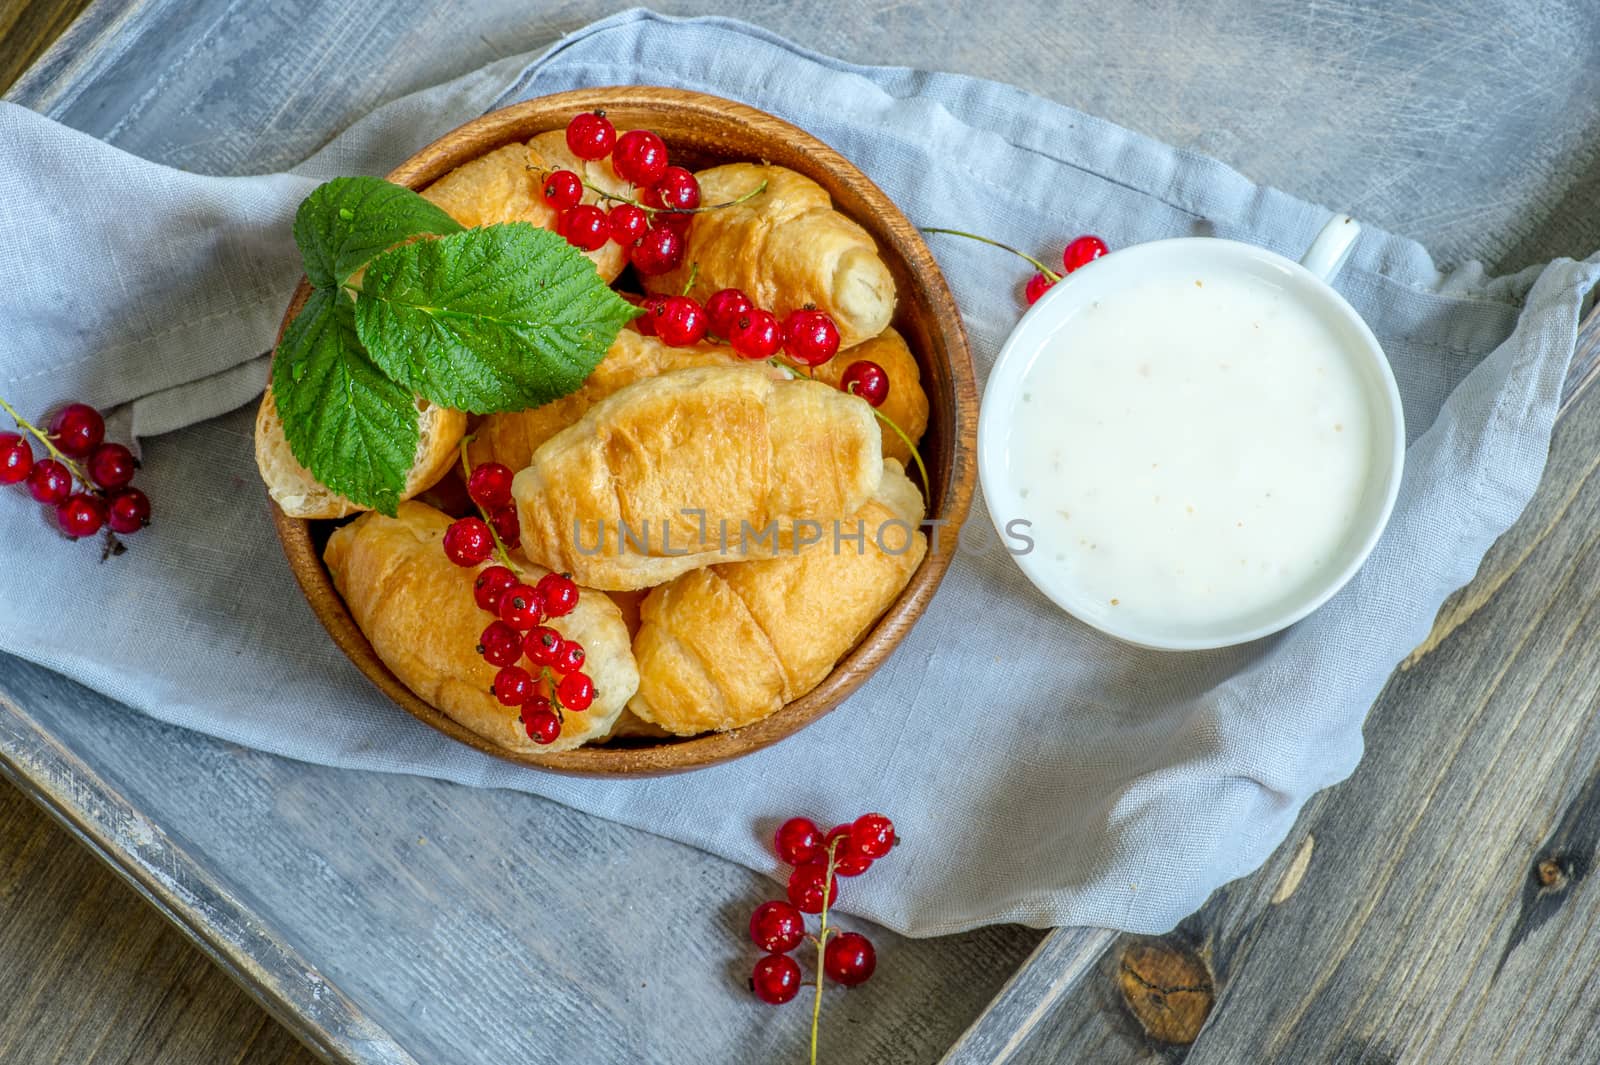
(894, 233)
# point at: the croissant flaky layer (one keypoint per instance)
(417, 609)
(676, 472)
(511, 439)
(723, 647)
(907, 403)
(786, 248)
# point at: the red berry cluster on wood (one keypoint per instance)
(778, 927)
(85, 481)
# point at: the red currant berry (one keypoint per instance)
(562, 190)
(849, 959)
(486, 590)
(512, 686)
(569, 657)
(654, 308)
(868, 380)
(506, 524)
(1082, 252)
(49, 482)
(585, 226)
(872, 835)
(810, 337)
(558, 593)
(677, 190)
(724, 309)
(81, 515)
(798, 840)
(848, 863)
(640, 157)
(500, 644)
(111, 465)
(805, 886)
(591, 135)
(776, 979)
(542, 645)
(128, 511)
(841, 833)
(467, 542)
(576, 691)
(520, 607)
(490, 485)
(657, 251)
(682, 322)
(756, 335)
(627, 223)
(1037, 286)
(678, 222)
(777, 927)
(77, 429)
(544, 728)
(16, 458)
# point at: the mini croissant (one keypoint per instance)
(692, 467)
(511, 439)
(417, 610)
(722, 647)
(506, 184)
(786, 248)
(907, 403)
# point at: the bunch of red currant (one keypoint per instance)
(1079, 252)
(808, 338)
(651, 228)
(556, 681)
(846, 958)
(78, 454)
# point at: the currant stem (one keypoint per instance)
(1041, 267)
(822, 942)
(499, 546)
(901, 433)
(44, 438)
(646, 208)
(694, 272)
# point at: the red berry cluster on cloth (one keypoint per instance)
(778, 927)
(84, 480)
(1079, 252)
(552, 681)
(652, 228)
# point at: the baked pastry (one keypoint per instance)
(511, 439)
(500, 187)
(417, 610)
(678, 471)
(786, 248)
(725, 646)
(300, 495)
(907, 403)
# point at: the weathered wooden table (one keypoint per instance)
(1435, 908)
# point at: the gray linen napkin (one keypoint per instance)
(1039, 772)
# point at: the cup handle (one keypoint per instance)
(1332, 246)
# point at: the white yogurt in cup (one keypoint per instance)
(1203, 440)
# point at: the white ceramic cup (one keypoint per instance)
(1307, 282)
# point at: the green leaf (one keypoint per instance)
(353, 428)
(346, 221)
(500, 318)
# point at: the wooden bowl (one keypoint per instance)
(703, 130)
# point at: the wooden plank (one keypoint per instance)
(1434, 907)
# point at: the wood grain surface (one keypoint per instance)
(1433, 908)
(27, 28)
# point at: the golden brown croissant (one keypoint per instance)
(787, 248)
(417, 610)
(907, 403)
(511, 439)
(725, 646)
(500, 187)
(692, 467)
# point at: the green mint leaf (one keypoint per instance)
(353, 428)
(346, 221)
(500, 318)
